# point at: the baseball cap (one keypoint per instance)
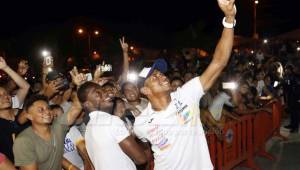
(159, 64)
(53, 75)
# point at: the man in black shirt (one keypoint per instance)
(8, 109)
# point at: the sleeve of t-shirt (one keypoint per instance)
(137, 132)
(119, 130)
(74, 135)
(24, 152)
(62, 121)
(192, 89)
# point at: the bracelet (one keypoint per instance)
(70, 167)
(228, 25)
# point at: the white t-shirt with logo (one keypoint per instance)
(103, 134)
(217, 105)
(176, 134)
(70, 150)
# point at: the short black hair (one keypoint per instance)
(83, 90)
(108, 84)
(124, 85)
(55, 106)
(34, 98)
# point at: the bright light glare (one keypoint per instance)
(80, 31)
(131, 48)
(50, 69)
(276, 83)
(298, 48)
(265, 41)
(256, 1)
(45, 53)
(132, 76)
(230, 85)
(96, 32)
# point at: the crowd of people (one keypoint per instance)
(113, 123)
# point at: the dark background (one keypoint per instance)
(26, 27)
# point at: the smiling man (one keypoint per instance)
(171, 122)
(109, 144)
(41, 146)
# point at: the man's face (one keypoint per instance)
(244, 89)
(5, 99)
(39, 113)
(131, 92)
(111, 90)
(56, 112)
(56, 81)
(158, 83)
(99, 98)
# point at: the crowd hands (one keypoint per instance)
(54, 111)
(54, 99)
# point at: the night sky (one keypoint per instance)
(145, 22)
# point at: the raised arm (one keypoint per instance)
(223, 49)
(75, 110)
(124, 47)
(22, 84)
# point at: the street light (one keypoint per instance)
(255, 35)
(89, 34)
(80, 31)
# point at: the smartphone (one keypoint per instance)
(106, 67)
(89, 76)
(229, 85)
(48, 60)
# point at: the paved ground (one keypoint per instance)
(287, 153)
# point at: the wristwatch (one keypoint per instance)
(228, 25)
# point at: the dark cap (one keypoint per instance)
(53, 75)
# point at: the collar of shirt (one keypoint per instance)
(94, 114)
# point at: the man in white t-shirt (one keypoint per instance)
(171, 122)
(109, 144)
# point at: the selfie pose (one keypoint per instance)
(171, 122)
